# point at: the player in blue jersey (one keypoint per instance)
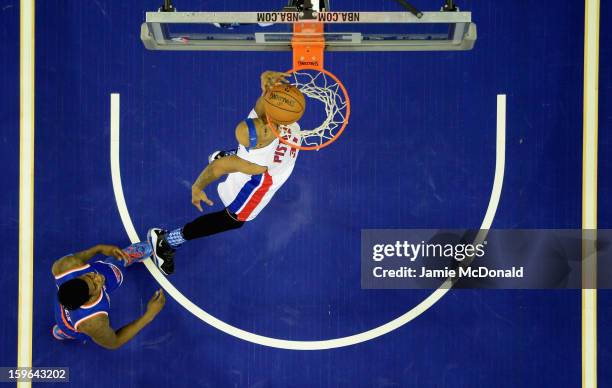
(83, 301)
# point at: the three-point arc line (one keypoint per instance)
(388, 327)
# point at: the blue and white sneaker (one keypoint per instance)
(138, 252)
(220, 154)
(163, 254)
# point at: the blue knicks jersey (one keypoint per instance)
(69, 320)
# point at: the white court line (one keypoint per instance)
(589, 191)
(26, 188)
(303, 345)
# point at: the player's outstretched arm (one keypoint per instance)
(80, 258)
(100, 331)
(268, 79)
(216, 170)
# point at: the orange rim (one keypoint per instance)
(337, 135)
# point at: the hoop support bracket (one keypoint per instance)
(308, 45)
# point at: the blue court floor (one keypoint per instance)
(419, 152)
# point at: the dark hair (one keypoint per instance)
(73, 293)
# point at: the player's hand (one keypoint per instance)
(271, 78)
(157, 302)
(114, 251)
(197, 196)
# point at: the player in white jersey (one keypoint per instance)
(255, 171)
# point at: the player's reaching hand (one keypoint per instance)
(197, 196)
(156, 303)
(271, 78)
(114, 251)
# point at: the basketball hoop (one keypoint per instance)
(316, 83)
(413, 31)
(321, 85)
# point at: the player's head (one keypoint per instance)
(75, 292)
(254, 133)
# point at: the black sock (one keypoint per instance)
(209, 224)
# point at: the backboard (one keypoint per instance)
(342, 31)
(307, 28)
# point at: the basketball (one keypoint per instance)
(284, 104)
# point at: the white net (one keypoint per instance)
(321, 86)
